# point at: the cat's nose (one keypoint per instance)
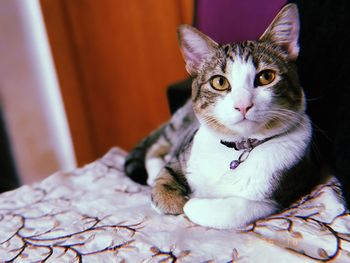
(244, 108)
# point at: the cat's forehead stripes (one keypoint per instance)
(242, 51)
(259, 54)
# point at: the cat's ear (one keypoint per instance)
(195, 47)
(284, 30)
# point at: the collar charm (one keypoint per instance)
(246, 145)
(244, 155)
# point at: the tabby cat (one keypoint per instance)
(238, 150)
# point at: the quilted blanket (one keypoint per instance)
(97, 214)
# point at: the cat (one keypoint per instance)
(238, 150)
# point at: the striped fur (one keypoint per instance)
(186, 164)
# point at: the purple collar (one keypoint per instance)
(246, 145)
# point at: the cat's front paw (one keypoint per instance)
(216, 213)
(209, 213)
(225, 213)
(168, 196)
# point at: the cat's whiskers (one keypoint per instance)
(213, 122)
(283, 115)
(280, 119)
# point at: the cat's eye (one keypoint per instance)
(219, 83)
(265, 77)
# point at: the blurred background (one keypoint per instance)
(80, 76)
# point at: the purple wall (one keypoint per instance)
(235, 20)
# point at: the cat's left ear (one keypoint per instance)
(284, 30)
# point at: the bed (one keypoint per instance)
(97, 214)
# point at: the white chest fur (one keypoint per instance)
(209, 175)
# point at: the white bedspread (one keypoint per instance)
(97, 214)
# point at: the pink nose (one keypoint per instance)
(244, 108)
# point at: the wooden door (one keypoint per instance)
(114, 61)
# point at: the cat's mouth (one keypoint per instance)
(244, 125)
(246, 120)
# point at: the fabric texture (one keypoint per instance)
(97, 214)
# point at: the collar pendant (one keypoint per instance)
(246, 145)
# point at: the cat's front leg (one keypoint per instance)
(155, 159)
(225, 213)
(170, 192)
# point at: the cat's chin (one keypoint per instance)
(245, 127)
(246, 122)
(241, 129)
(251, 129)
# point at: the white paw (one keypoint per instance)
(209, 213)
(153, 167)
(225, 213)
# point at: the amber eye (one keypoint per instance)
(219, 83)
(265, 77)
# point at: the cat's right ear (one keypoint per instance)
(196, 48)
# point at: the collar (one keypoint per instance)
(246, 145)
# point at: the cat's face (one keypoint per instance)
(249, 88)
